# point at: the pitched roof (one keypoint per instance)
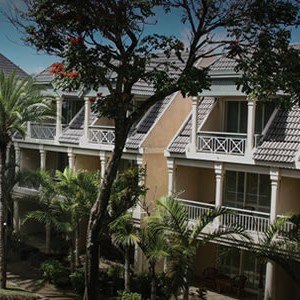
(134, 140)
(223, 64)
(282, 139)
(8, 67)
(179, 143)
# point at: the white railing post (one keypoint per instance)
(87, 112)
(28, 130)
(71, 159)
(17, 157)
(250, 124)
(219, 172)
(58, 118)
(102, 156)
(275, 182)
(42, 157)
(194, 122)
(170, 164)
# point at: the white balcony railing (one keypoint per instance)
(222, 142)
(102, 135)
(250, 220)
(43, 132)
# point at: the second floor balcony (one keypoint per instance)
(102, 135)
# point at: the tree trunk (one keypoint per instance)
(99, 210)
(3, 263)
(126, 270)
(153, 283)
(48, 237)
(77, 258)
(186, 288)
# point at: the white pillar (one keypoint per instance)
(102, 156)
(42, 157)
(87, 112)
(250, 124)
(58, 118)
(71, 158)
(17, 157)
(275, 182)
(170, 164)
(194, 122)
(219, 172)
(269, 287)
(28, 133)
(16, 217)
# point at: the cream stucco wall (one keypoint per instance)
(197, 184)
(157, 141)
(289, 196)
(215, 120)
(87, 163)
(103, 121)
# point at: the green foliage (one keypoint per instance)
(77, 281)
(126, 295)
(55, 272)
(115, 271)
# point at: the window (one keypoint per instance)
(236, 116)
(69, 109)
(247, 190)
(233, 262)
(263, 113)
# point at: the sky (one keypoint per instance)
(32, 62)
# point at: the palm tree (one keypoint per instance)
(20, 101)
(154, 248)
(125, 235)
(47, 196)
(171, 220)
(78, 191)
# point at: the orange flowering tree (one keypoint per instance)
(104, 43)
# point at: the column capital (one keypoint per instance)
(102, 155)
(139, 160)
(219, 168)
(41, 147)
(170, 163)
(195, 100)
(274, 175)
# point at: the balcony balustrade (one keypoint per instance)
(222, 142)
(42, 132)
(251, 220)
(102, 135)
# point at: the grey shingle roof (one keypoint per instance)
(223, 64)
(8, 67)
(144, 126)
(179, 143)
(71, 136)
(282, 140)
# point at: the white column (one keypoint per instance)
(275, 183)
(87, 112)
(170, 164)
(28, 133)
(16, 218)
(17, 157)
(58, 118)
(219, 172)
(42, 157)
(102, 156)
(71, 158)
(269, 287)
(250, 124)
(194, 122)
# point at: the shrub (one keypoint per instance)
(126, 295)
(56, 273)
(77, 281)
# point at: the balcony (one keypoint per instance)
(222, 142)
(251, 220)
(42, 132)
(102, 135)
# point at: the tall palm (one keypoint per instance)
(171, 220)
(48, 214)
(78, 191)
(154, 248)
(125, 235)
(20, 101)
